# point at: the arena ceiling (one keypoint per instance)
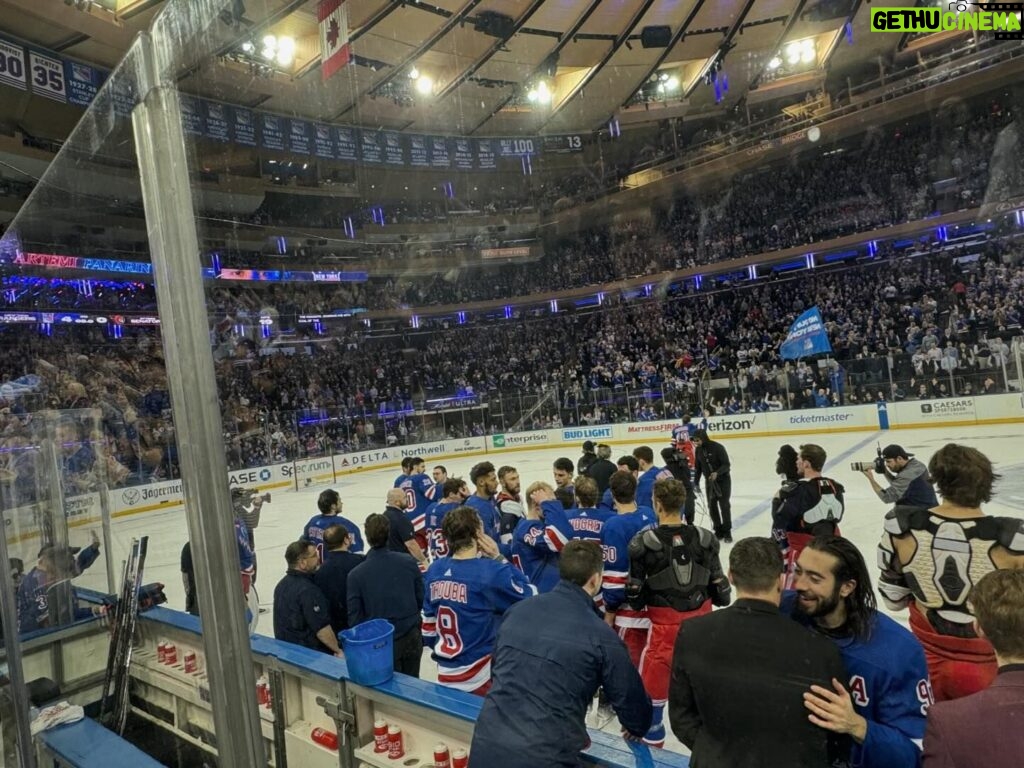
(484, 56)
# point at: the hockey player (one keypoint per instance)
(586, 520)
(562, 470)
(886, 698)
(682, 443)
(624, 464)
(455, 494)
(465, 596)
(508, 502)
(538, 539)
(676, 574)
(649, 473)
(406, 471)
(677, 465)
(812, 506)
(483, 477)
(420, 492)
(329, 504)
(249, 506)
(53, 566)
(632, 625)
(931, 558)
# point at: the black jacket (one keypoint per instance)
(585, 461)
(711, 457)
(600, 471)
(736, 695)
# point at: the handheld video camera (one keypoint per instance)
(246, 496)
(878, 464)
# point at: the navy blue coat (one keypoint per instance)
(553, 653)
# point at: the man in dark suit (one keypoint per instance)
(389, 585)
(601, 469)
(986, 729)
(332, 576)
(739, 675)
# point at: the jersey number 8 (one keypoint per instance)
(448, 632)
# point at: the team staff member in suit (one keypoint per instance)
(389, 585)
(986, 729)
(713, 463)
(601, 469)
(332, 576)
(882, 704)
(301, 613)
(739, 676)
(552, 654)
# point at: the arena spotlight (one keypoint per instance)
(774, 63)
(414, 74)
(540, 94)
(424, 85)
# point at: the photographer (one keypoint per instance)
(908, 479)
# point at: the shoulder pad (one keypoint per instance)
(707, 539)
(788, 486)
(836, 487)
(1011, 534)
(510, 506)
(637, 547)
(901, 519)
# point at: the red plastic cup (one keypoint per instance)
(396, 743)
(460, 758)
(190, 662)
(442, 757)
(325, 738)
(161, 652)
(170, 654)
(380, 736)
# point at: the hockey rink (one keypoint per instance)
(754, 483)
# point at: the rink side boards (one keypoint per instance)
(911, 414)
(427, 713)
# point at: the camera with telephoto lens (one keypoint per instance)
(878, 464)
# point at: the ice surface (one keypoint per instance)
(754, 482)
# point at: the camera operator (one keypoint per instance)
(908, 479)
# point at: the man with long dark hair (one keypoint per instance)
(884, 703)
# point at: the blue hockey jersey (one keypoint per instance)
(419, 494)
(313, 532)
(463, 603)
(437, 544)
(645, 485)
(587, 523)
(536, 545)
(488, 516)
(888, 682)
(618, 531)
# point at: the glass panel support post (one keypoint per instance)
(167, 199)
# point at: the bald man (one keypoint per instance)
(401, 535)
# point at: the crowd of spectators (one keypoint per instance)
(936, 324)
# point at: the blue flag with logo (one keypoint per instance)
(807, 336)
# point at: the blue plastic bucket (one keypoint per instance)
(369, 651)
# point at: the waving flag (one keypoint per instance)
(807, 336)
(335, 50)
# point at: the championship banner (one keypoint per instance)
(807, 336)
(335, 50)
(82, 82)
(12, 65)
(47, 76)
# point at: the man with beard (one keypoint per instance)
(601, 469)
(510, 506)
(888, 695)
